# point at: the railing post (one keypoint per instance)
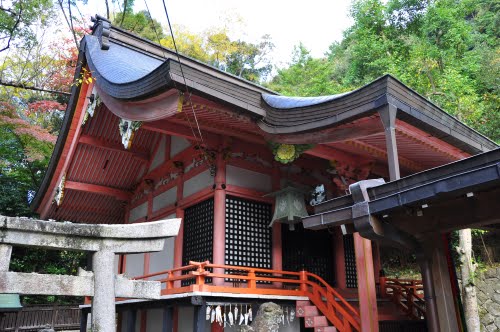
(251, 282)
(200, 275)
(169, 283)
(347, 325)
(383, 284)
(303, 281)
(410, 301)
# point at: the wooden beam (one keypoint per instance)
(366, 284)
(407, 163)
(119, 194)
(330, 153)
(168, 128)
(427, 139)
(388, 117)
(112, 146)
(215, 128)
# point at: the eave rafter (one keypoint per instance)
(429, 141)
(407, 163)
(330, 153)
(142, 156)
(119, 194)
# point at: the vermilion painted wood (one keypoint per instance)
(248, 193)
(186, 131)
(218, 128)
(409, 164)
(97, 189)
(366, 284)
(326, 299)
(219, 236)
(111, 146)
(68, 149)
(329, 153)
(407, 294)
(252, 166)
(430, 141)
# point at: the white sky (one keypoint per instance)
(315, 23)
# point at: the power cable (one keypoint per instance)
(182, 73)
(165, 57)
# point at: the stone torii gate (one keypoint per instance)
(104, 241)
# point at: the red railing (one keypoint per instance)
(407, 294)
(232, 279)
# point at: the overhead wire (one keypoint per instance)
(182, 73)
(198, 140)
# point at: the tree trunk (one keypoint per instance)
(468, 268)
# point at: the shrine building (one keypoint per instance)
(151, 135)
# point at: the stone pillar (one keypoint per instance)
(103, 302)
(219, 239)
(168, 319)
(199, 319)
(366, 284)
(436, 253)
(5, 253)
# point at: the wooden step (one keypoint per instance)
(303, 303)
(325, 329)
(307, 311)
(316, 321)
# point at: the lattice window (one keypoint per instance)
(351, 277)
(198, 234)
(248, 235)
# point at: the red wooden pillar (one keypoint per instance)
(376, 261)
(366, 284)
(179, 239)
(277, 251)
(219, 241)
(338, 244)
(178, 243)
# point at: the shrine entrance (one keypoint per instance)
(308, 250)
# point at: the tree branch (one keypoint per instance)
(13, 28)
(67, 22)
(34, 88)
(124, 12)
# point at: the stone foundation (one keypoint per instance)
(488, 296)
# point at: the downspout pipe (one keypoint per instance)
(372, 228)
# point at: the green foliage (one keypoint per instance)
(215, 47)
(18, 20)
(47, 262)
(447, 50)
(140, 23)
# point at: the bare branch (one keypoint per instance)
(67, 22)
(13, 29)
(124, 12)
(107, 9)
(34, 88)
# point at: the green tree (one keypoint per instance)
(18, 20)
(447, 50)
(214, 47)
